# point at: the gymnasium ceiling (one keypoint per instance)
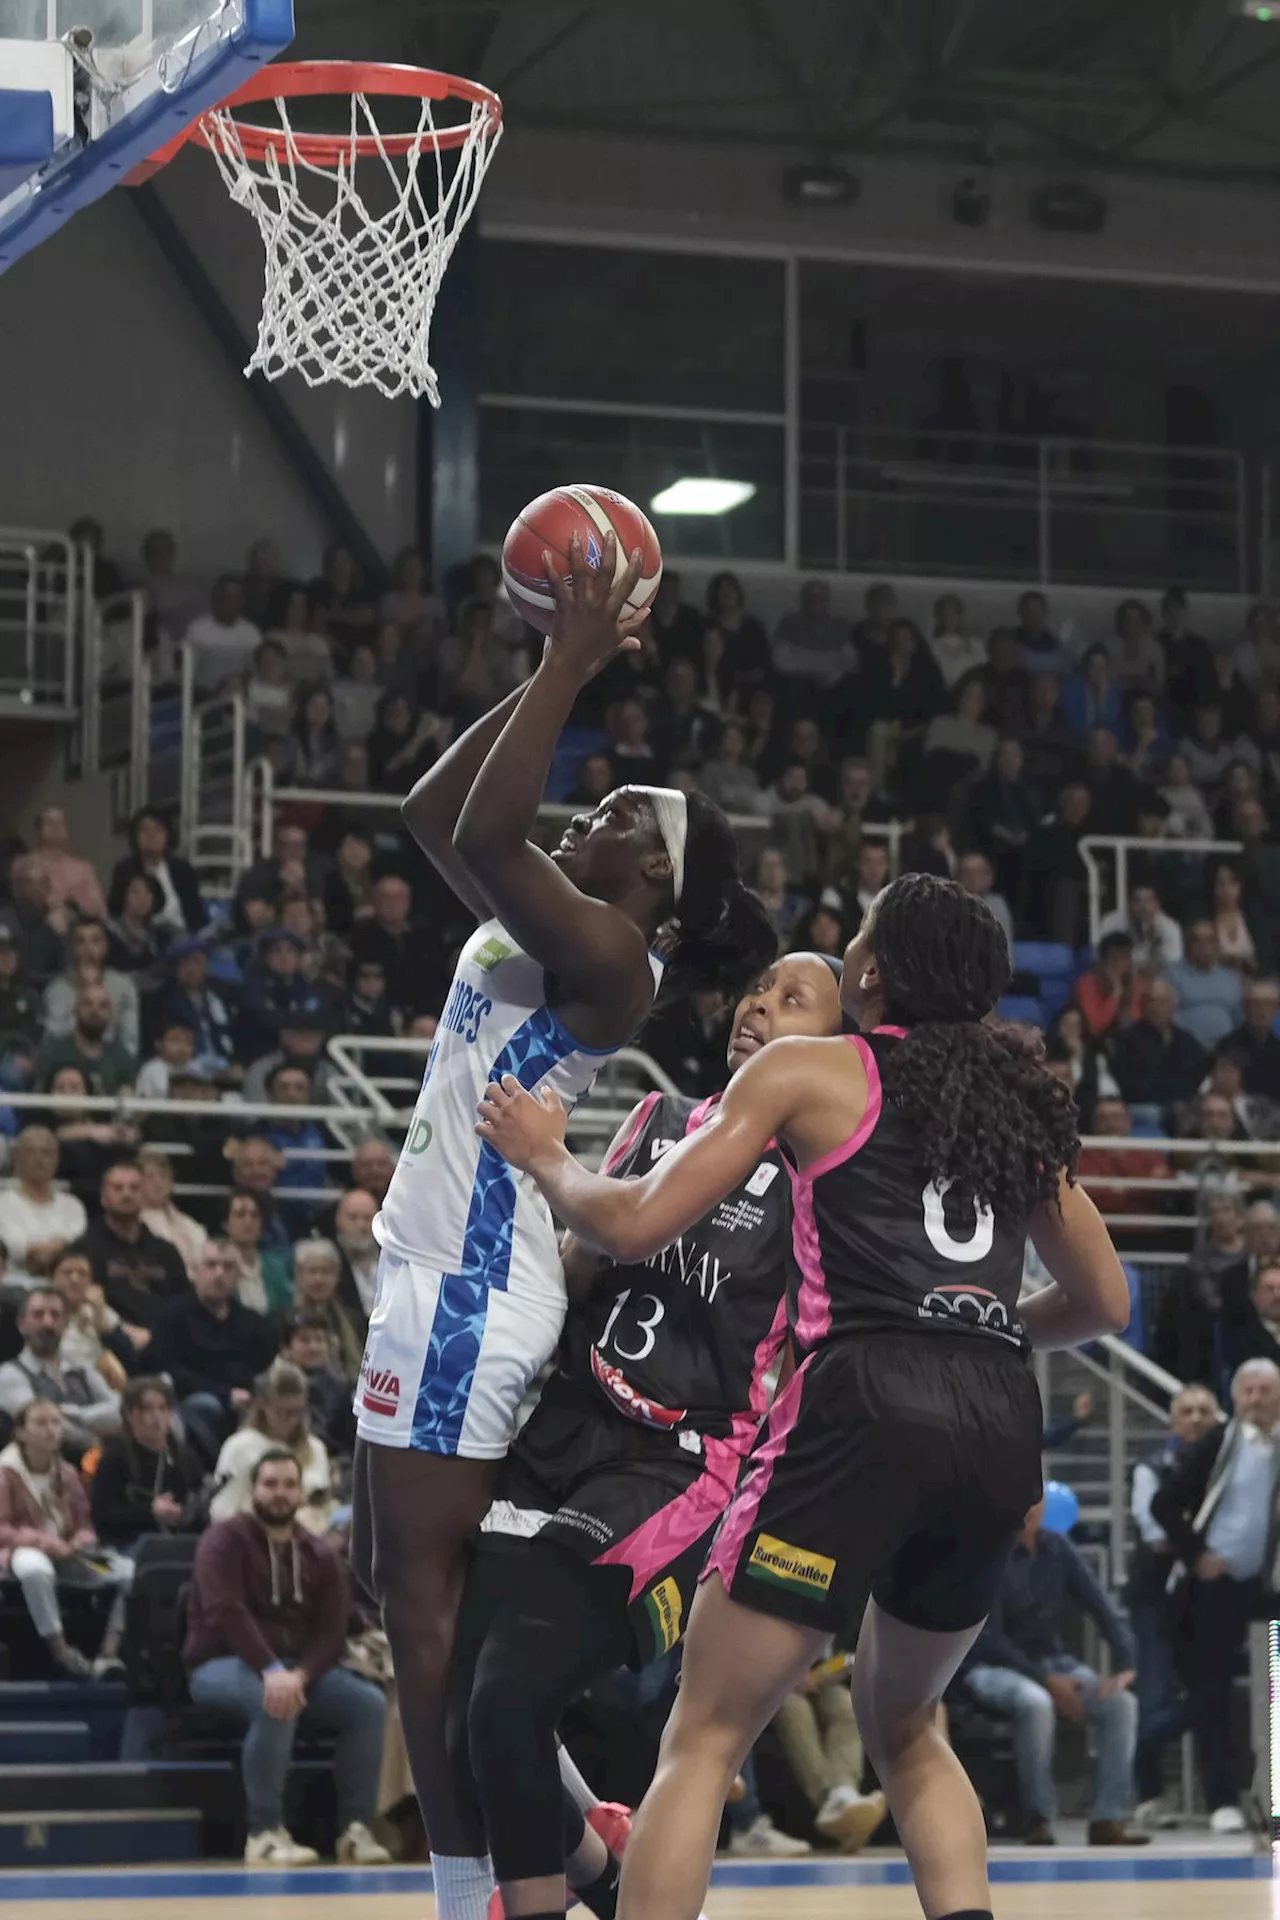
(1176, 89)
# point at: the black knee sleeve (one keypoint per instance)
(488, 1585)
(566, 1625)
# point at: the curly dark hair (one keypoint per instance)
(987, 1114)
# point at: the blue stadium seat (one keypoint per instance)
(1021, 1007)
(1046, 959)
(572, 748)
(1054, 995)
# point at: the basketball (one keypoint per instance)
(550, 522)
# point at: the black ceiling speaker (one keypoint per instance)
(970, 204)
(816, 184)
(1068, 206)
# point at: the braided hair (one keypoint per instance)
(986, 1113)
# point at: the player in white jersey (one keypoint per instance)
(560, 973)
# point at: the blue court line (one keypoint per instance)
(239, 1882)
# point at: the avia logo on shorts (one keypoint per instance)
(762, 1179)
(665, 1608)
(380, 1391)
(794, 1569)
(491, 954)
(635, 1405)
(465, 1011)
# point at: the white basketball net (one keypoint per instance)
(350, 292)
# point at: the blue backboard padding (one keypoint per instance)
(92, 170)
(26, 131)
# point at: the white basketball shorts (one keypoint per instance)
(448, 1361)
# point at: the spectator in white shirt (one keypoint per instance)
(353, 1231)
(92, 1340)
(977, 876)
(1156, 937)
(1137, 658)
(89, 942)
(159, 1214)
(36, 1220)
(812, 645)
(223, 641)
(956, 651)
(90, 1410)
(269, 696)
(356, 694)
(175, 1047)
(1257, 656)
(1189, 817)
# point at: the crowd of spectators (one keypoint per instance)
(188, 1290)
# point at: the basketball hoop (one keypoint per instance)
(350, 290)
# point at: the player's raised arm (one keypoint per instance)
(1089, 1294)
(596, 953)
(631, 1219)
(430, 809)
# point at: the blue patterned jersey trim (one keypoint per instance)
(537, 1045)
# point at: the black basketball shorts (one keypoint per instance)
(617, 1494)
(895, 1465)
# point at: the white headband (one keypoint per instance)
(671, 811)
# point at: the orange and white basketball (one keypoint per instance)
(549, 523)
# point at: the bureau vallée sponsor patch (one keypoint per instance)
(794, 1569)
(665, 1606)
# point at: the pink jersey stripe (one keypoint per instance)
(741, 1516)
(899, 1033)
(666, 1534)
(866, 1126)
(639, 1118)
(813, 1305)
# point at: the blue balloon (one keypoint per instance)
(1061, 1507)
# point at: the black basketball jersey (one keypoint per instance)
(879, 1246)
(685, 1338)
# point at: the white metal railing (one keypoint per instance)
(42, 577)
(901, 500)
(1120, 846)
(118, 697)
(213, 821)
(263, 797)
(1052, 510)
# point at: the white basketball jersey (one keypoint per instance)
(454, 1204)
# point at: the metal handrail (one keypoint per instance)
(263, 796)
(52, 571)
(1121, 845)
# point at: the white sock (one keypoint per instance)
(573, 1781)
(463, 1885)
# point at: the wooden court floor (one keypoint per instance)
(1151, 1887)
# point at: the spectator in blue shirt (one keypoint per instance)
(1210, 999)
(191, 1001)
(288, 1086)
(1090, 699)
(1020, 1667)
(275, 988)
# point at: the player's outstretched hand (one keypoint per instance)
(588, 628)
(523, 1130)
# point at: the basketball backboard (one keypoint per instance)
(90, 88)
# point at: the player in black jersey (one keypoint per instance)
(609, 1497)
(901, 1457)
